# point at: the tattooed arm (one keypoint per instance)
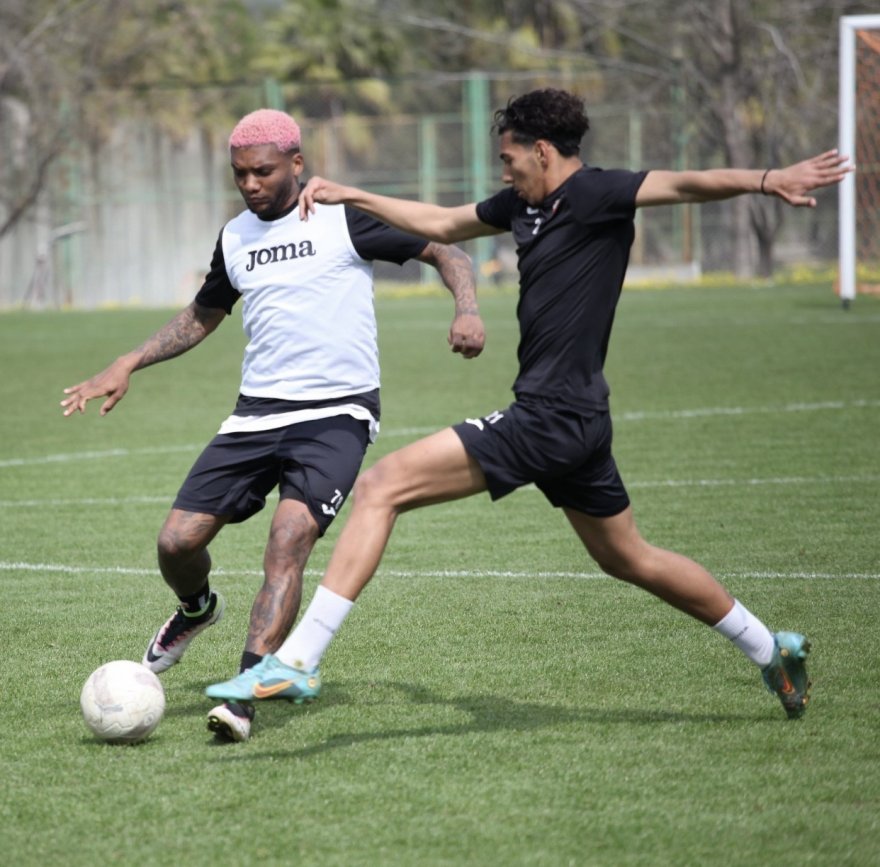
(189, 328)
(466, 334)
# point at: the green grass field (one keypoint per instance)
(493, 699)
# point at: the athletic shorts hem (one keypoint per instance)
(565, 454)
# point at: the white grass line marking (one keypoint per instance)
(87, 501)
(731, 483)
(73, 457)
(745, 410)
(790, 480)
(114, 502)
(645, 415)
(60, 568)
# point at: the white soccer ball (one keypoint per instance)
(122, 702)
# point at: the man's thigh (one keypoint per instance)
(595, 486)
(434, 469)
(319, 462)
(232, 476)
(566, 454)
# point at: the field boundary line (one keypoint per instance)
(22, 566)
(71, 457)
(56, 502)
(707, 412)
(630, 416)
(772, 480)
(87, 501)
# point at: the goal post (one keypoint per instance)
(859, 139)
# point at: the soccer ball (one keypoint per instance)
(122, 702)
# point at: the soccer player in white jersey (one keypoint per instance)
(573, 227)
(308, 404)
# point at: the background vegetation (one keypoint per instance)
(751, 82)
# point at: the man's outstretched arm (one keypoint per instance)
(192, 325)
(434, 222)
(791, 184)
(466, 334)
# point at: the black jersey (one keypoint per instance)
(573, 250)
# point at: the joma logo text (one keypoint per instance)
(281, 253)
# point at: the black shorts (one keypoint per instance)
(314, 462)
(565, 454)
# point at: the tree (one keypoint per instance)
(754, 80)
(763, 77)
(758, 80)
(69, 69)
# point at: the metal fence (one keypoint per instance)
(134, 221)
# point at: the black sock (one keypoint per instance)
(249, 660)
(239, 709)
(197, 603)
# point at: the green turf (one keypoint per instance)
(492, 699)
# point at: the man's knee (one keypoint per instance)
(611, 563)
(635, 564)
(171, 545)
(626, 559)
(294, 528)
(184, 535)
(376, 486)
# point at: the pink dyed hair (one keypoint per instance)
(266, 126)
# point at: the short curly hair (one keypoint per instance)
(555, 115)
(266, 126)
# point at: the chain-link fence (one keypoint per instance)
(134, 220)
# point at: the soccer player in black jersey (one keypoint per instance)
(573, 226)
(308, 402)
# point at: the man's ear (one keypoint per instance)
(543, 152)
(298, 164)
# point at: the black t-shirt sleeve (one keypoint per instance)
(373, 239)
(497, 210)
(603, 195)
(217, 290)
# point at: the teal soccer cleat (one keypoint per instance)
(786, 674)
(269, 678)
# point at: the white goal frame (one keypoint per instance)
(847, 121)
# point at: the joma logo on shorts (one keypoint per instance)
(281, 253)
(492, 418)
(335, 503)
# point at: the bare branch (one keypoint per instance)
(28, 197)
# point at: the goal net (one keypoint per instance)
(859, 238)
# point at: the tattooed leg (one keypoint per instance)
(183, 549)
(291, 538)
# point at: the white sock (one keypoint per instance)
(751, 636)
(305, 646)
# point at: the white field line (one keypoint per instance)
(86, 501)
(74, 457)
(706, 412)
(59, 568)
(781, 480)
(395, 433)
(114, 502)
